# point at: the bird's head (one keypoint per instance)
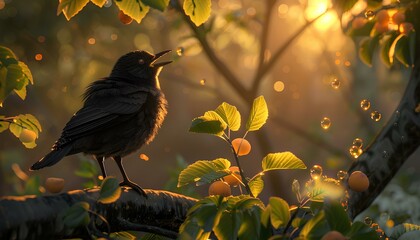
(139, 66)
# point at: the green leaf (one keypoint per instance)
(361, 231)
(265, 216)
(210, 123)
(15, 129)
(256, 185)
(32, 185)
(386, 47)
(71, 7)
(6, 53)
(336, 216)
(280, 213)
(401, 229)
(251, 225)
(99, 3)
(14, 75)
(198, 10)
(402, 50)
(77, 215)
(110, 190)
(367, 48)
(133, 8)
(228, 226)
(258, 115)
(157, 4)
(315, 228)
(3, 124)
(204, 171)
(284, 160)
(230, 116)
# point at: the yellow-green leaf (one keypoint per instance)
(230, 116)
(367, 48)
(386, 54)
(133, 8)
(204, 171)
(280, 213)
(4, 125)
(210, 123)
(283, 160)
(256, 185)
(71, 7)
(258, 115)
(110, 190)
(99, 3)
(198, 10)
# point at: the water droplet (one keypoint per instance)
(316, 172)
(278, 86)
(335, 83)
(355, 151)
(344, 203)
(365, 104)
(368, 221)
(325, 123)
(358, 142)
(341, 175)
(385, 154)
(370, 15)
(203, 82)
(180, 51)
(375, 116)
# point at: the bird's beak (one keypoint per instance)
(157, 56)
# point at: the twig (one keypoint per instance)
(146, 228)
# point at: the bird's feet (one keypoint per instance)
(134, 186)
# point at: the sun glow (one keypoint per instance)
(318, 7)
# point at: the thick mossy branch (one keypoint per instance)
(392, 147)
(31, 217)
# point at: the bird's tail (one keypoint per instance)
(52, 158)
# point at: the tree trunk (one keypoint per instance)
(31, 217)
(394, 144)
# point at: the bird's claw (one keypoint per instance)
(135, 187)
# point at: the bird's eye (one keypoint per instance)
(141, 61)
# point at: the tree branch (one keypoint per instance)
(31, 217)
(395, 143)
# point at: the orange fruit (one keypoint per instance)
(124, 18)
(242, 145)
(27, 136)
(234, 178)
(358, 181)
(398, 17)
(54, 185)
(382, 17)
(333, 235)
(220, 188)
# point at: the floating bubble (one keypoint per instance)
(180, 51)
(203, 82)
(365, 104)
(375, 116)
(335, 83)
(341, 175)
(326, 123)
(278, 86)
(370, 15)
(355, 151)
(316, 172)
(358, 142)
(368, 221)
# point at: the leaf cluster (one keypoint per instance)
(198, 10)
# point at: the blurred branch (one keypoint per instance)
(265, 68)
(248, 96)
(30, 217)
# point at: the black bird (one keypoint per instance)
(120, 114)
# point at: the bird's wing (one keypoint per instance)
(101, 108)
